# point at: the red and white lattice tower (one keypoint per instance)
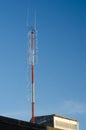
(32, 48)
(32, 53)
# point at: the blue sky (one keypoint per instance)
(60, 75)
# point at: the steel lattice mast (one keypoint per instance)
(32, 69)
(33, 50)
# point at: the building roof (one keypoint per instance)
(11, 123)
(52, 115)
(64, 117)
(7, 123)
(57, 121)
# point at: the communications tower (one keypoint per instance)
(33, 50)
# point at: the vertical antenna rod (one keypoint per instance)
(32, 66)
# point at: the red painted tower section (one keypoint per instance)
(32, 66)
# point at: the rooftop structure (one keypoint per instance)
(59, 122)
(13, 124)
